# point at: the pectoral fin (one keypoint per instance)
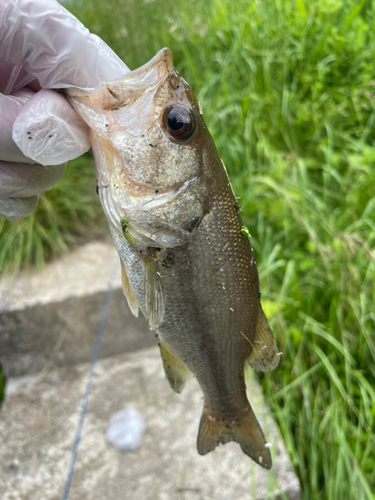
(244, 430)
(175, 370)
(263, 356)
(154, 292)
(128, 292)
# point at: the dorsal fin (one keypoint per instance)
(175, 370)
(128, 292)
(264, 355)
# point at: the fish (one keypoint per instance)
(186, 259)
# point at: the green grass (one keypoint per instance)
(287, 90)
(67, 215)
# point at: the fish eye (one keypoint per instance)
(179, 121)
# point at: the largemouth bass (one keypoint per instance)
(176, 225)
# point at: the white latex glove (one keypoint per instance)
(43, 46)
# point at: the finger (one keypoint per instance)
(49, 131)
(13, 78)
(10, 107)
(54, 46)
(23, 181)
(17, 209)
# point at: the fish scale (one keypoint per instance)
(185, 262)
(223, 328)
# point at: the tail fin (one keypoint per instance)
(244, 430)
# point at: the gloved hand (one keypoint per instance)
(43, 46)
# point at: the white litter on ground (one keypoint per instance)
(126, 429)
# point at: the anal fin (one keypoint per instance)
(244, 430)
(175, 370)
(264, 355)
(128, 292)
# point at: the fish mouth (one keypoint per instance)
(119, 93)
